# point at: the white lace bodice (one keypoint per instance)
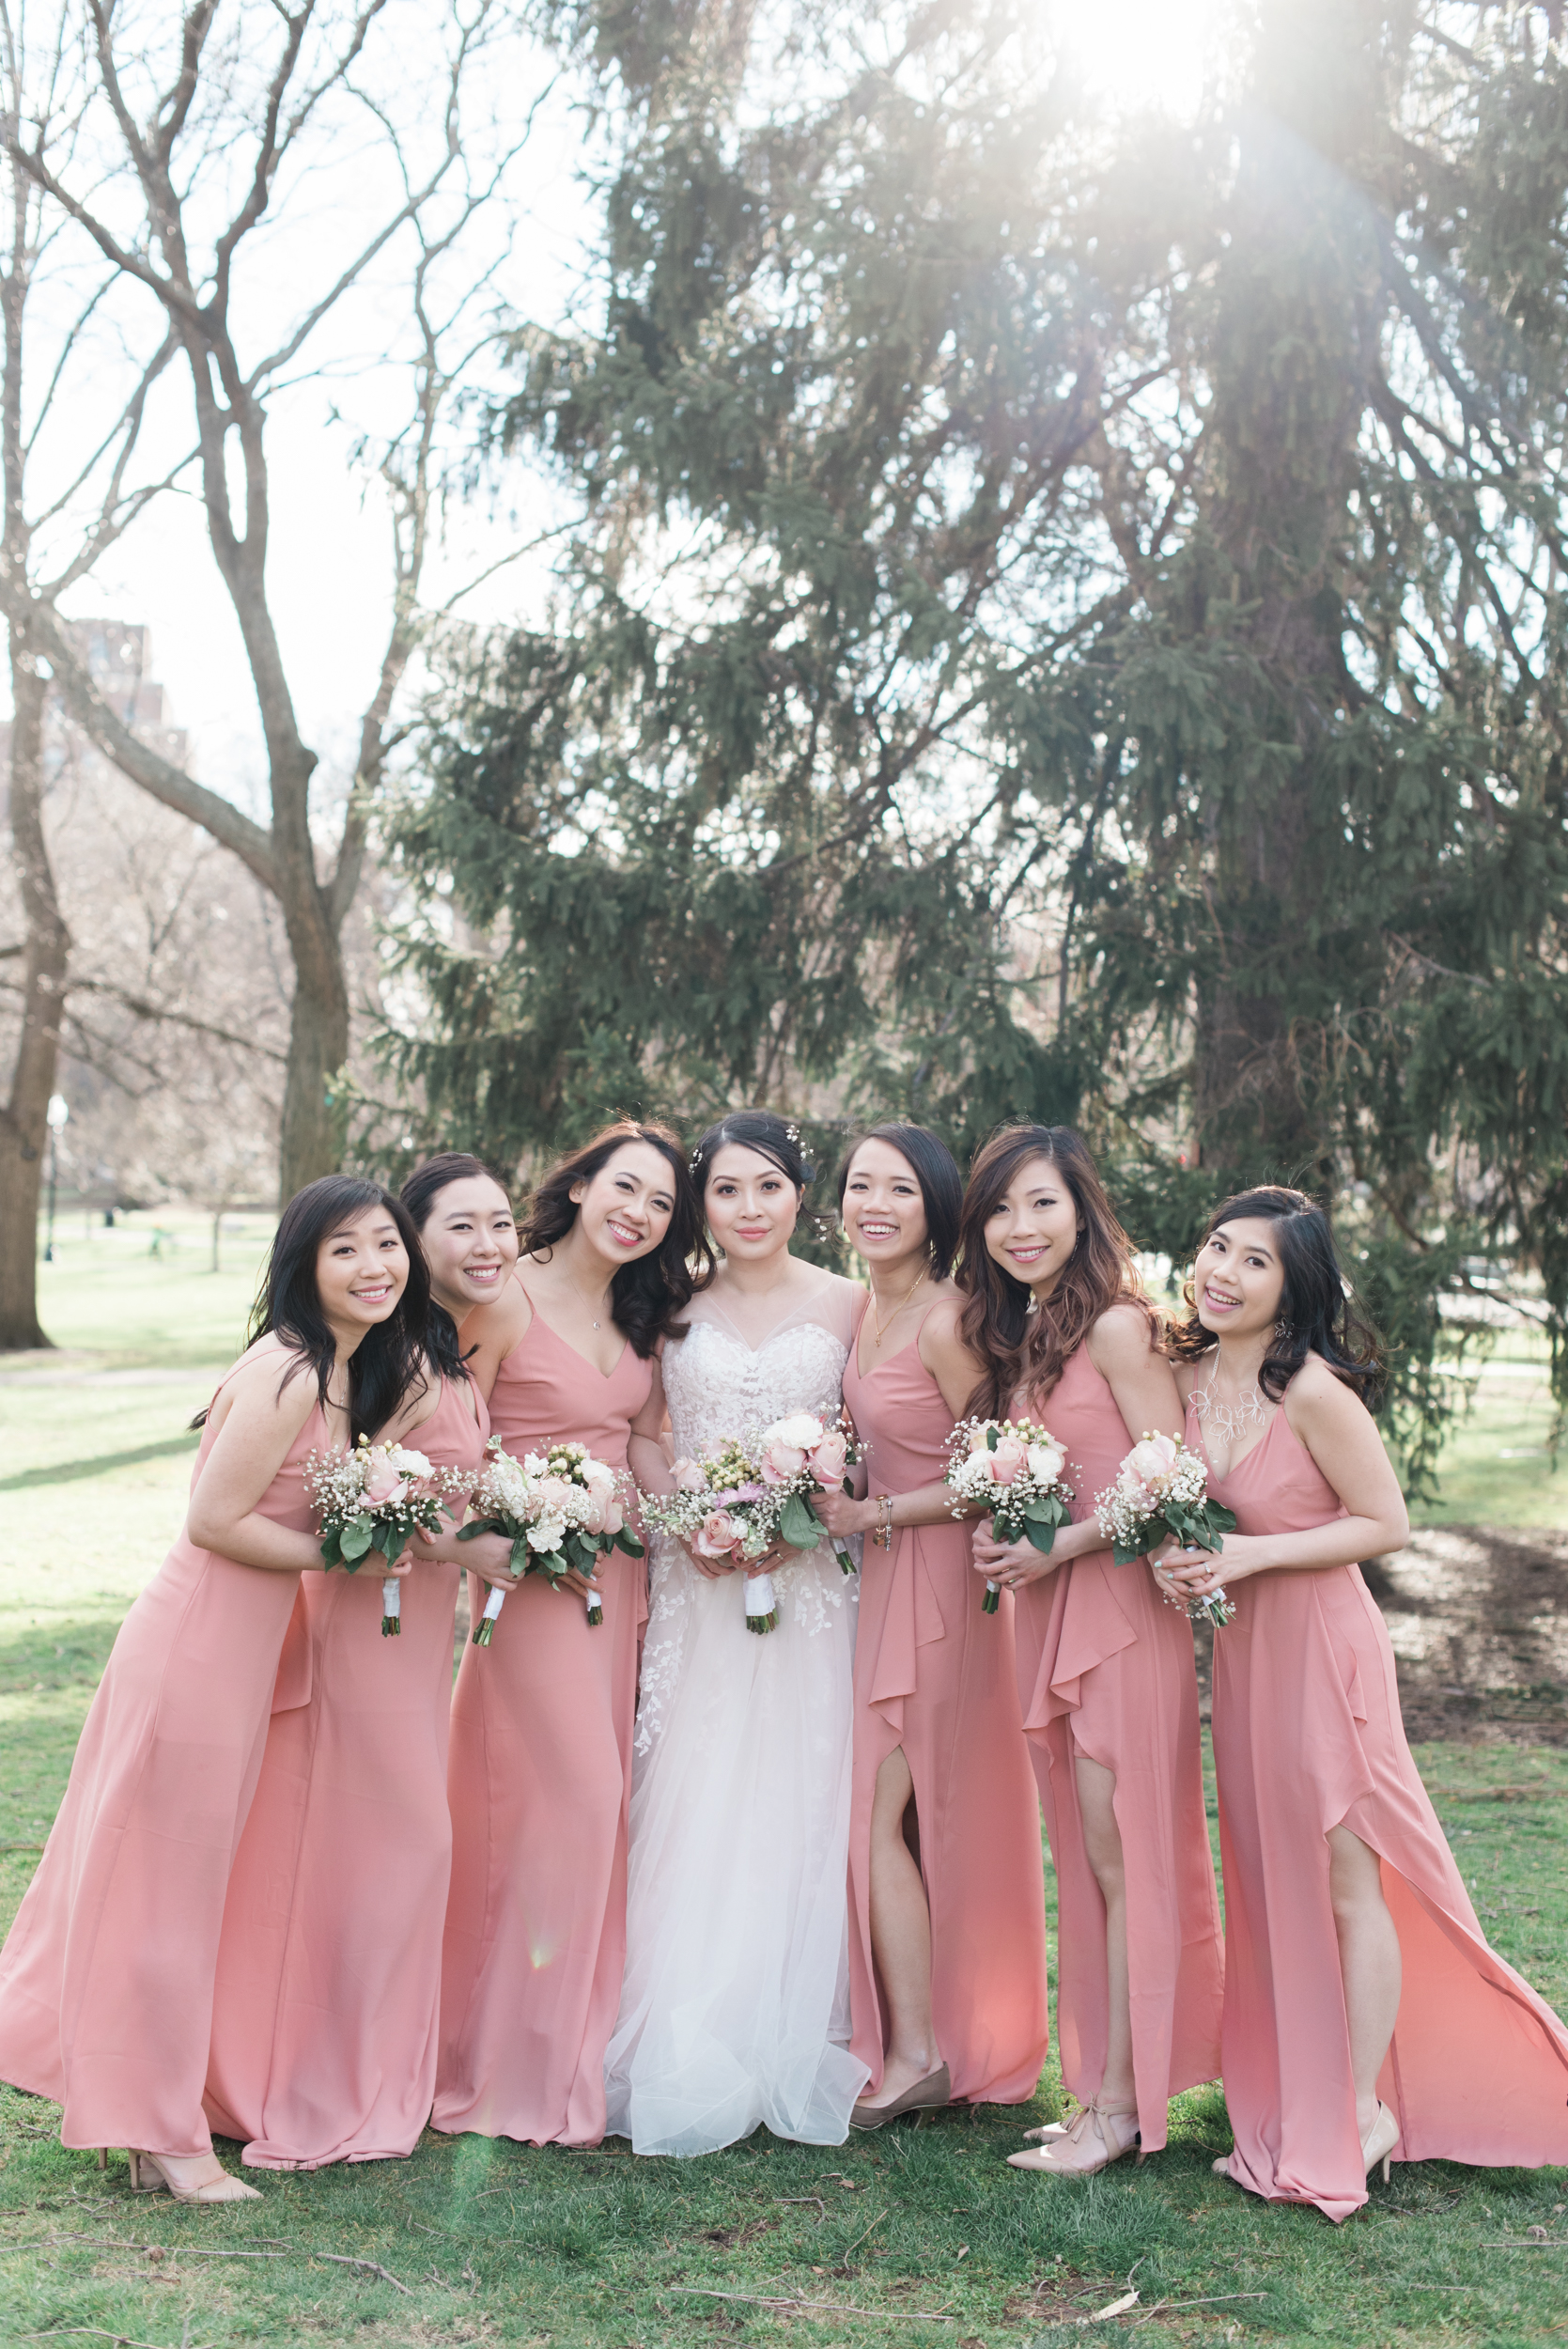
(716, 1385)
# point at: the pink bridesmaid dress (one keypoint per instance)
(1106, 1671)
(541, 1782)
(935, 1675)
(106, 1980)
(1308, 1736)
(324, 2023)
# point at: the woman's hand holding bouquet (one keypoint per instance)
(1013, 1467)
(740, 1506)
(1161, 1495)
(372, 1502)
(560, 1509)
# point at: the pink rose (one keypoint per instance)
(828, 1460)
(781, 1462)
(1007, 1459)
(717, 1536)
(384, 1484)
(1152, 1460)
(688, 1477)
(553, 1495)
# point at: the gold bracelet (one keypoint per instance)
(882, 1537)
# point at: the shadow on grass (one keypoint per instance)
(71, 1471)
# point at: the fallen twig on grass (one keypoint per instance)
(1522, 2242)
(191, 2252)
(1209, 2300)
(861, 2236)
(833, 2308)
(341, 2259)
(121, 2340)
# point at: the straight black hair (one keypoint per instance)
(1319, 1312)
(419, 1195)
(934, 1169)
(390, 1361)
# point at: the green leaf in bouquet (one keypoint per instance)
(625, 1539)
(332, 1551)
(354, 1539)
(1122, 1556)
(1041, 1535)
(990, 1439)
(799, 1524)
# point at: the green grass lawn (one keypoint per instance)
(918, 2234)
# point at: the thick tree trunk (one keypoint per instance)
(1296, 337)
(23, 1123)
(313, 1123)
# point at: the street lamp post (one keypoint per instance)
(57, 1113)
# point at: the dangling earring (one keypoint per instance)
(1285, 1332)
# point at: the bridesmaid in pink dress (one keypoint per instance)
(329, 1970)
(947, 1950)
(106, 1980)
(1365, 2016)
(1106, 1672)
(542, 1719)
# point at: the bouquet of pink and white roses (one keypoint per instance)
(1014, 1468)
(372, 1501)
(740, 1499)
(559, 1509)
(1161, 1494)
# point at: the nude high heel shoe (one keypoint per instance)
(1091, 2142)
(148, 2176)
(1380, 2141)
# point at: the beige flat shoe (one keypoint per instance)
(148, 2176)
(927, 2095)
(1221, 2165)
(1096, 2136)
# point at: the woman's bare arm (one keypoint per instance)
(258, 1424)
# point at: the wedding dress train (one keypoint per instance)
(735, 2009)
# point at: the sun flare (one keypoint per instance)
(1142, 54)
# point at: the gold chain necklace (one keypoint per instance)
(878, 1325)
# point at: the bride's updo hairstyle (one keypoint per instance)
(1021, 1348)
(1319, 1312)
(934, 1169)
(762, 1130)
(647, 1294)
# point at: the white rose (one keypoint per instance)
(550, 1536)
(408, 1463)
(1046, 1462)
(802, 1430)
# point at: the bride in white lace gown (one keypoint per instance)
(735, 2008)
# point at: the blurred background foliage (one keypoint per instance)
(1061, 619)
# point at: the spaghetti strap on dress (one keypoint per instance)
(329, 1970)
(937, 1675)
(106, 1979)
(540, 1783)
(1308, 1736)
(1106, 1670)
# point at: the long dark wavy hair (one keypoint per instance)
(390, 1361)
(936, 1170)
(1020, 1350)
(646, 1295)
(1319, 1310)
(419, 1195)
